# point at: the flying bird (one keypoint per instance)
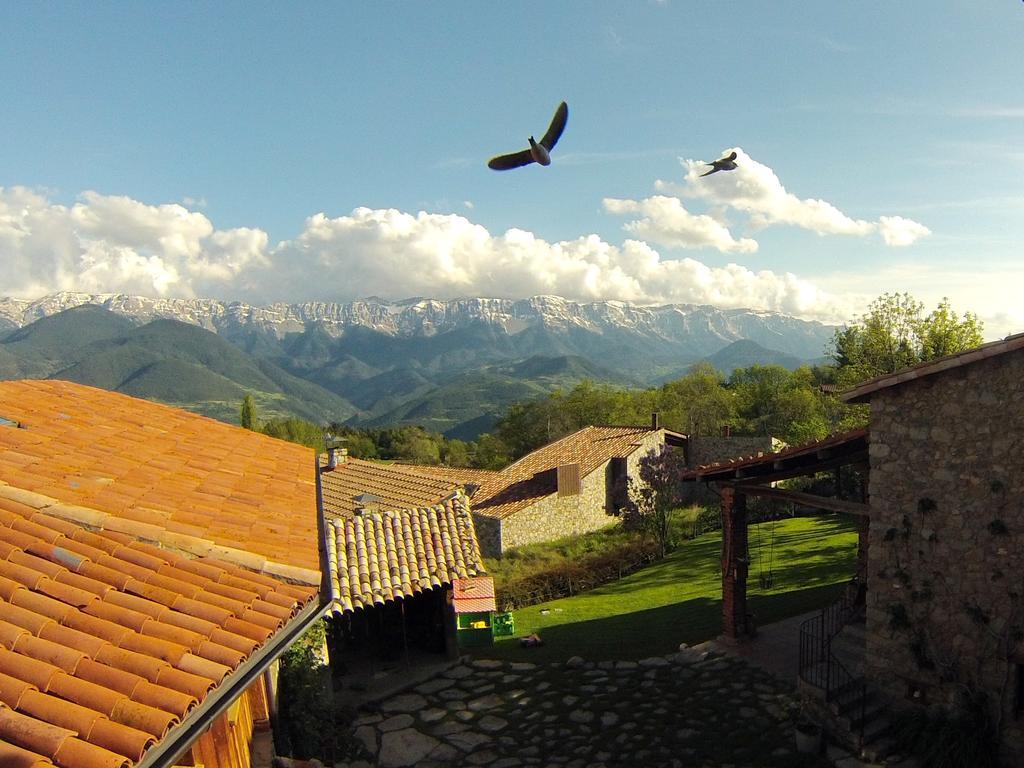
(727, 163)
(539, 151)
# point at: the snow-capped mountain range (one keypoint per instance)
(697, 329)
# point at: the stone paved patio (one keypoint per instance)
(685, 709)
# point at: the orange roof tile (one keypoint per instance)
(123, 464)
(93, 674)
(395, 485)
(378, 556)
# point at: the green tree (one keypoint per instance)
(455, 453)
(894, 334)
(489, 452)
(296, 430)
(649, 502)
(698, 403)
(944, 334)
(416, 446)
(771, 400)
(248, 418)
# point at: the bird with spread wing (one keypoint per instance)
(727, 163)
(538, 151)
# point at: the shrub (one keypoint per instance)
(564, 577)
(941, 738)
(305, 699)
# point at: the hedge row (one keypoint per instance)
(570, 577)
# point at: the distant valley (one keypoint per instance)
(453, 367)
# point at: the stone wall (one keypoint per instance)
(554, 516)
(488, 534)
(707, 450)
(947, 538)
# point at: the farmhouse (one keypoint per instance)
(934, 617)
(153, 565)
(565, 488)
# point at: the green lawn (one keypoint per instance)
(679, 598)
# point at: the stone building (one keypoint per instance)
(946, 541)
(565, 488)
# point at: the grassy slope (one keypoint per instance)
(679, 599)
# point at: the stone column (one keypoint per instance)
(736, 623)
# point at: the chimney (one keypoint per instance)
(336, 456)
(655, 421)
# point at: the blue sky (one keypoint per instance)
(328, 151)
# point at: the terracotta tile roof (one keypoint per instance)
(531, 478)
(108, 643)
(459, 475)
(862, 392)
(474, 595)
(378, 556)
(395, 485)
(161, 474)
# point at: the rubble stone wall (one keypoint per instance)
(946, 540)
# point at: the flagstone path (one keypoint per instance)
(682, 710)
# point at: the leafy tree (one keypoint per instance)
(894, 334)
(696, 404)
(944, 334)
(648, 504)
(773, 401)
(455, 453)
(414, 445)
(296, 431)
(248, 417)
(490, 453)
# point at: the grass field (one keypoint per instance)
(678, 599)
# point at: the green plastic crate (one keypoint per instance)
(504, 625)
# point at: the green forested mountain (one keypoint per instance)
(164, 360)
(472, 402)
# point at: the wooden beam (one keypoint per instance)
(802, 466)
(806, 499)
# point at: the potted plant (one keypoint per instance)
(808, 736)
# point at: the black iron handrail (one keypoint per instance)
(818, 667)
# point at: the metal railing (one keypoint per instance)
(821, 669)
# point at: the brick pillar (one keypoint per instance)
(736, 623)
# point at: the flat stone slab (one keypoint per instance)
(406, 702)
(487, 664)
(435, 685)
(367, 736)
(491, 724)
(432, 715)
(404, 748)
(490, 701)
(396, 723)
(467, 740)
(458, 673)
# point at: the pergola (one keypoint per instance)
(755, 476)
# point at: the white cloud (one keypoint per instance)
(111, 243)
(754, 189)
(666, 222)
(115, 244)
(898, 231)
